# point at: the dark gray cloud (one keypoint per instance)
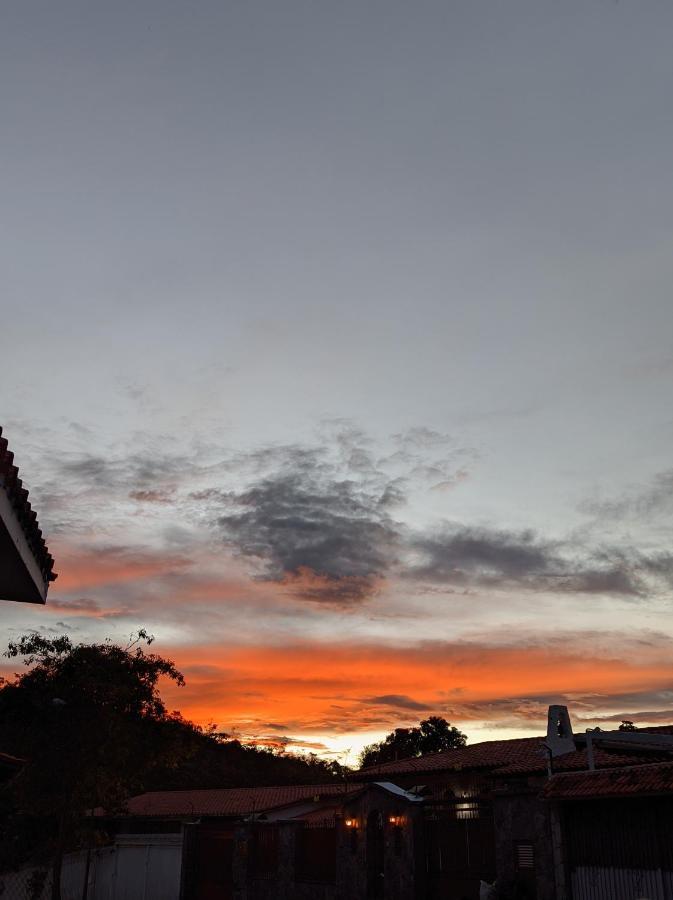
(136, 471)
(454, 555)
(330, 539)
(463, 556)
(660, 565)
(616, 705)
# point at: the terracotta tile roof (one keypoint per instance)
(655, 778)
(324, 816)
(229, 801)
(518, 756)
(18, 497)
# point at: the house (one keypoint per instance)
(26, 566)
(485, 812)
(208, 848)
(562, 817)
(334, 841)
(438, 826)
(169, 845)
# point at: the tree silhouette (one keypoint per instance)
(90, 723)
(430, 736)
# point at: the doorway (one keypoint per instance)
(375, 856)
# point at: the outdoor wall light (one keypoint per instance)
(395, 820)
(351, 823)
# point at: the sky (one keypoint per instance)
(337, 343)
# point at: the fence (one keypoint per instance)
(617, 850)
(459, 847)
(135, 867)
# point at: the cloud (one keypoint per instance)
(281, 742)
(459, 555)
(327, 539)
(318, 687)
(664, 716)
(85, 607)
(153, 496)
(317, 523)
(95, 567)
(659, 564)
(454, 554)
(399, 701)
(652, 500)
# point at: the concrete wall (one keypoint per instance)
(135, 867)
(280, 885)
(521, 816)
(403, 872)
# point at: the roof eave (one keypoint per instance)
(26, 583)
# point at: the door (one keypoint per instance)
(375, 856)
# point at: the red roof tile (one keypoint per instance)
(229, 801)
(18, 497)
(518, 756)
(655, 778)
(488, 755)
(323, 816)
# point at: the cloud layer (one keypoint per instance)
(303, 595)
(331, 688)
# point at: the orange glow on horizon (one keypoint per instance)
(336, 688)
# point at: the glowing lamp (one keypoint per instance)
(395, 820)
(351, 823)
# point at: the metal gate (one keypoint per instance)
(620, 849)
(459, 848)
(208, 871)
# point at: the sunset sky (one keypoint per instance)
(337, 342)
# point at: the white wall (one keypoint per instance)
(135, 867)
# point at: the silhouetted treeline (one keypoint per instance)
(215, 762)
(92, 729)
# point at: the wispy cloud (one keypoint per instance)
(653, 499)
(496, 558)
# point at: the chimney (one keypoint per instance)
(559, 731)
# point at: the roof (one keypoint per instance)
(16, 507)
(518, 756)
(398, 791)
(230, 801)
(634, 781)
(10, 762)
(323, 816)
